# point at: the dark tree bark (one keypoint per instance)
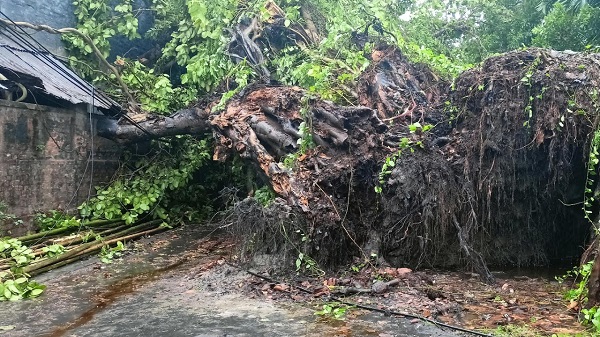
(183, 122)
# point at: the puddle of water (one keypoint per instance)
(541, 273)
(108, 297)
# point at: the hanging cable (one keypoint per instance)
(90, 111)
(51, 62)
(46, 57)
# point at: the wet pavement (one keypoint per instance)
(176, 284)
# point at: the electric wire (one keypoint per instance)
(45, 56)
(48, 59)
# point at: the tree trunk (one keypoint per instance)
(183, 122)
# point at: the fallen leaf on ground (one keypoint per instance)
(281, 287)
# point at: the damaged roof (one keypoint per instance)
(24, 60)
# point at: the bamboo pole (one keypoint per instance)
(81, 248)
(92, 250)
(57, 231)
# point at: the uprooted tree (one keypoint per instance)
(369, 153)
(499, 179)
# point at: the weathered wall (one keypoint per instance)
(54, 13)
(45, 160)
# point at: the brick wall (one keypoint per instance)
(45, 158)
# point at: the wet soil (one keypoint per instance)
(533, 300)
(178, 284)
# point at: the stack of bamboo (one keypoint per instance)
(82, 241)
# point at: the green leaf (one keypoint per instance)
(13, 288)
(36, 292)
(21, 280)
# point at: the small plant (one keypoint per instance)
(418, 128)
(91, 236)
(390, 162)
(452, 110)
(333, 310)
(305, 263)
(581, 275)
(264, 195)
(591, 317)
(17, 286)
(107, 254)
(405, 144)
(527, 81)
(358, 267)
(5, 216)
(305, 142)
(592, 166)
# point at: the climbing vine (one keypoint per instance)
(593, 160)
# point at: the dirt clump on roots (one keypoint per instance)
(499, 180)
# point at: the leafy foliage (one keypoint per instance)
(16, 286)
(143, 188)
(154, 91)
(581, 276)
(96, 19)
(562, 29)
(13, 248)
(55, 219)
(54, 250)
(591, 317)
(107, 254)
(264, 195)
(335, 311)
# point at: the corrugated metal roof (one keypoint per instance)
(20, 54)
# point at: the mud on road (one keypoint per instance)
(177, 284)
